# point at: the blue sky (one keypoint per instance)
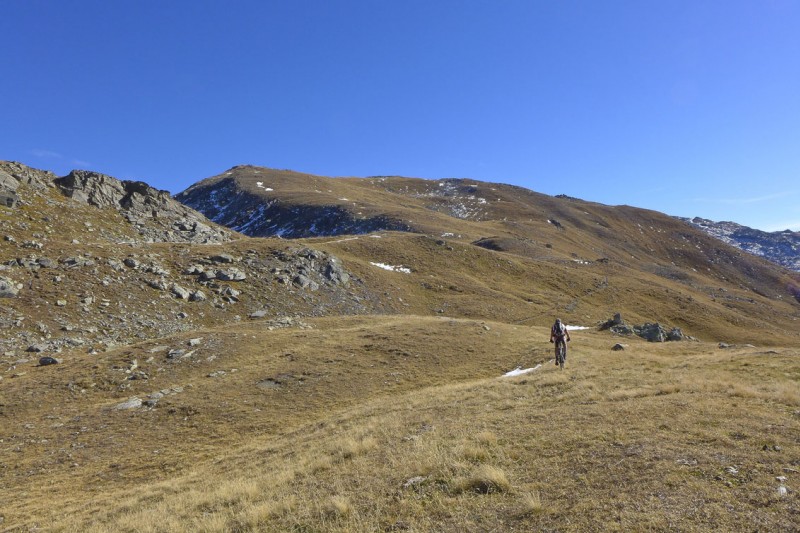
(687, 107)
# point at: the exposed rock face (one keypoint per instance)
(782, 247)
(8, 186)
(24, 175)
(140, 204)
(156, 216)
(658, 333)
(226, 204)
(651, 332)
(7, 182)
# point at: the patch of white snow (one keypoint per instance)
(404, 270)
(520, 371)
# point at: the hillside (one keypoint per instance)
(204, 379)
(680, 271)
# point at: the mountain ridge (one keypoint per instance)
(781, 247)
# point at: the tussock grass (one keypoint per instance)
(531, 504)
(628, 394)
(475, 454)
(486, 438)
(351, 447)
(485, 479)
(259, 513)
(338, 507)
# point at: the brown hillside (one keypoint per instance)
(211, 381)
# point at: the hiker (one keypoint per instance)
(558, 334)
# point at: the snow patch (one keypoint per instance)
(404, 270)
(575, 328)
(520, 371)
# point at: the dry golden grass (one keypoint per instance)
(401, 421)
(607, 443)
(485, 479)
(531, 504)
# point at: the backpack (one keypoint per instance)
(559, 329)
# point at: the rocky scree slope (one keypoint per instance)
(247, 206)
(88, 262)
(781, 247)
(91, 298)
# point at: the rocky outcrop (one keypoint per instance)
(651, 332)
(8, 187)
(655, 332)
(157, 216)
(13, 174)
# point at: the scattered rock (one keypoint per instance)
(197, 296)
(335, 272)
(302, 281)
(258, 314)
(45, 361)
(179, 353)
(230, 292)
(231, 274)
(194, 270)
(46, 262)
(414, 482)
(132, 403)
(194, 342)
(208, 275)
(180, 292)
(158, 284)
(8, 288)
(287, 322)
(269, 383)
(618, 347)
(222, 258)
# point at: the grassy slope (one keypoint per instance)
(630, 440)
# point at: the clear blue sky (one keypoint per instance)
(687, 107)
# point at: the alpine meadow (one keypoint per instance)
(276, 351)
